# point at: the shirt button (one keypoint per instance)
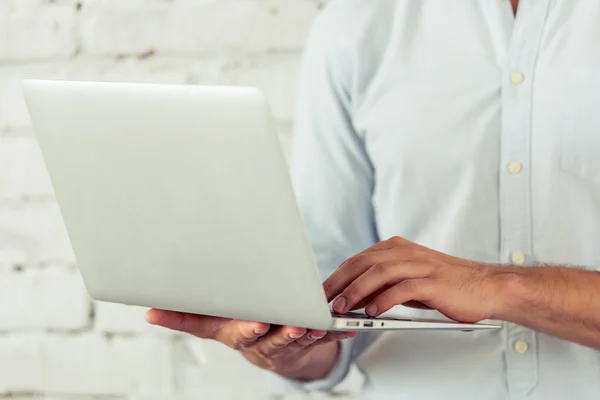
(518, 258)
(515, 167)
(517, 77)
(521, 346)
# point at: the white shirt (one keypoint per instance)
(456, 126)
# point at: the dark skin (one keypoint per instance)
(557, 300)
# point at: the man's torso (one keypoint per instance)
(484, 135)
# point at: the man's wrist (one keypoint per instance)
(509, 287)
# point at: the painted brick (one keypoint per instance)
(33, 233)
(115, 27)
(85, 364)
(41, 396)
(36, 30)
(23, 173)
(46, 298)
(18, 396)
(316, 396)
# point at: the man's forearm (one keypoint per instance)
(560, 301)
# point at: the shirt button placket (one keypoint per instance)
(515, 182)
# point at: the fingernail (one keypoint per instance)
(372, 310)
(296, 335)
(261, 330)
(149, 317)
(317, 335)
(339, 304)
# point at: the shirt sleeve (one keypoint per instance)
(331, 172)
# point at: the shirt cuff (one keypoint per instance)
(335, 376)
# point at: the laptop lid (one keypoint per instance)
(178, 197)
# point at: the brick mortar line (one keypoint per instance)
(16, 133)
(141, 56)
(108, 336)
(45, 332)
(42, 395)
(18, 267)
(14, 202)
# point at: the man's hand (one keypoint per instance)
(292, 352)
(397, 271)
(556, 300)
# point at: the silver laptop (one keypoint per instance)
(179, 198)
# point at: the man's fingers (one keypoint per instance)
(363, 287)
(233, 333)
(317, 338)
(374, 279)
(292, 338)
(417, 305)
(280, 338)
(369, 299)
(310, 338)
(336, 336)
(199, 325)
(393, 242)
(410, 290)
(352, 269)
(240, 334)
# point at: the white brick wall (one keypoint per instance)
(37, 30)
(194, 27)
(55, 344)
(57, 295)
(86, 363)
(24, 175)
(33, 233)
